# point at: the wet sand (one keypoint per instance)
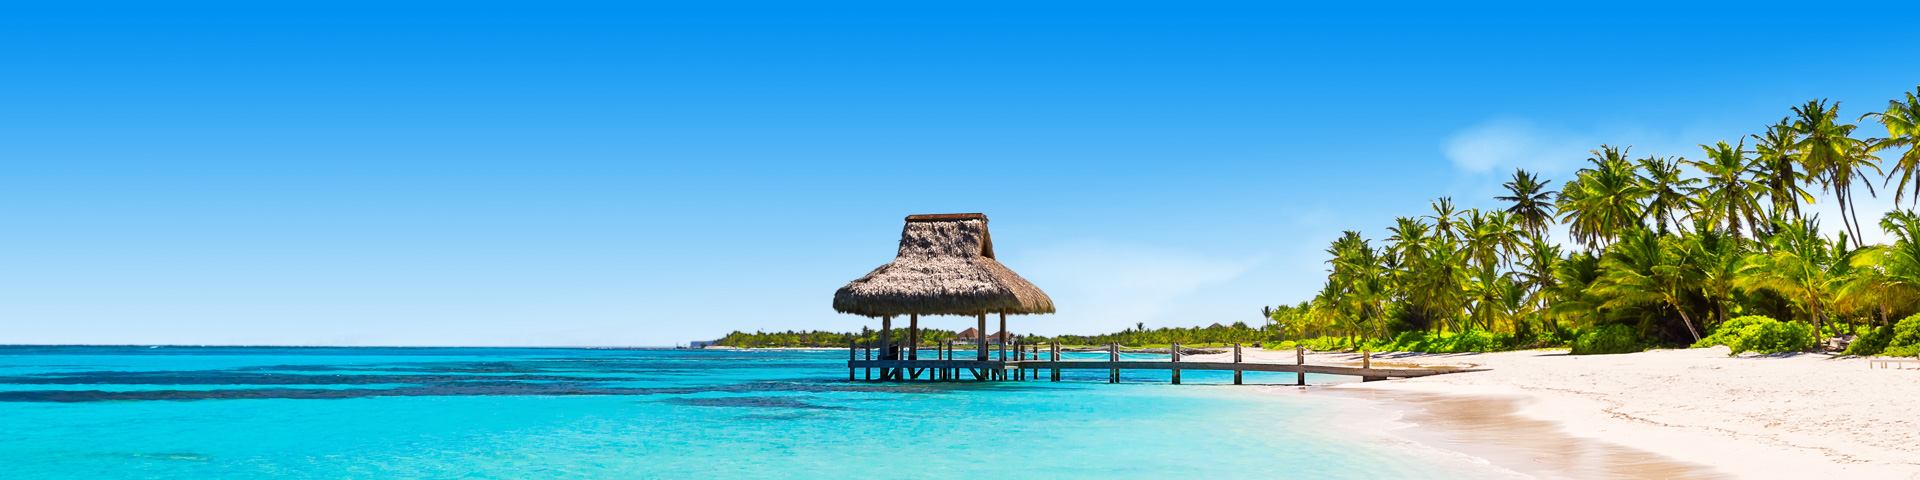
(1491, 428)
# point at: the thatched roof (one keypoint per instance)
(945, 267)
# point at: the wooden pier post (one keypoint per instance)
(1019, 355)
(1113, 355)
(1176, 363)
(869, 357)
(852, 354)
(1056, 357)
(1300, 358)
(1366, 363)
(1034, 372)
(1236, 359)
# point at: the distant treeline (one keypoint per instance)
(1138, 336)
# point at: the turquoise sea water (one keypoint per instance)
(372, 413)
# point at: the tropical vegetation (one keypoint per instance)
(1660, 250)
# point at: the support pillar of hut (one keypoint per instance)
(886, 338)
(913, 336)
(1001, 339)
(981, 338)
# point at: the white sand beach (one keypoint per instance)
(1781, 416)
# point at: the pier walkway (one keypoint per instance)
(1030, 361)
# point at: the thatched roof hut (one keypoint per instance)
(945, 267)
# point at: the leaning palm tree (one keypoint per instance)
(1532, 202)
(1902, 120)
(1645, 268)
(1729, 196)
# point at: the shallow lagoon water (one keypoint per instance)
(241, 413)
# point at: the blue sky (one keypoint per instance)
(479, 173)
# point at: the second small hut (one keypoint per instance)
(945, 267)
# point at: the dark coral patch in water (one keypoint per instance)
(752, 402)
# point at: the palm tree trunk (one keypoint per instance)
(1816, 323)
(1685, 320)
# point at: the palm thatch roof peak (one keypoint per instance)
(945, 266)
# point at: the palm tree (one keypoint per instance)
(1717, 259)
(1540, 259)
(1443, 217)
(1827, 150)
(1604, 200)
(1797, 266)
(1892, 272)
(1902, 120)
(1358, 281)
(1779, 169)
(1489, 237)
(1668, 190)
(1645, 268)
(1573, 294)
(1728, 196)
(1532, 202)
(1494, 298)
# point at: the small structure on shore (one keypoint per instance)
(945, 266)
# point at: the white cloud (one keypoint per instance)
(1508, 142)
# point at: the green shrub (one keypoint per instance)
(1754, 333)
(1608, 339)
(1725, 333)
(1906, 338)
(1774, 337)
(1871, 343)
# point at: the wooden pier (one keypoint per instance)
(1029, 362)
(946, 266)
